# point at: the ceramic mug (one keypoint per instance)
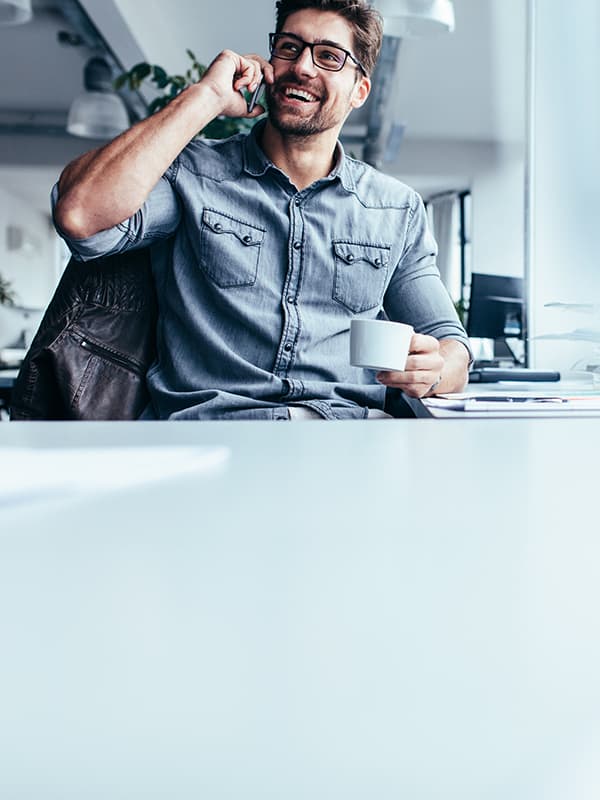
(379, 344)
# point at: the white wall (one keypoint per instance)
(498, 188)
(565, 175)
(31, 263)
(498, 214)
(165, 30)
(474, 137)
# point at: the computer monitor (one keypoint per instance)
(496, 311)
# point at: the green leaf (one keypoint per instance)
(141, 70)
(172, 85)
(120, 80)
(7, 295)
(160, 77)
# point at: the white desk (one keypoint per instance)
(389, 609)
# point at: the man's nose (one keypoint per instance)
(304, 64)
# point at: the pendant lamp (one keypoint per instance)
(99, 112)
(15, 12)
(411, 19)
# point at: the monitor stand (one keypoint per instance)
(505, 357)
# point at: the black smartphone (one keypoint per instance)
(253, 99)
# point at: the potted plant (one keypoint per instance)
(7, 295)
(171, 86)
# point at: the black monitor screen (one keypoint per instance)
(495, 307)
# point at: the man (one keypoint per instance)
(272, 241)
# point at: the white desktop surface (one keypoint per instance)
(383, 609)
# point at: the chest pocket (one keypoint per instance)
(229, 249)
(360, 274)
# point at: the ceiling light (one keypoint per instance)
(99, 112)
(14, 12)
(409, 19)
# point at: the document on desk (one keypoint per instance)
(34, 473)
(515, 403)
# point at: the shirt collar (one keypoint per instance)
(256, 162)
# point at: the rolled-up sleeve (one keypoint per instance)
(416, 294)
(157, 219)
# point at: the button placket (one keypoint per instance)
(290, 289)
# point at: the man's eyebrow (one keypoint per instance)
(316, 41)
(331, 43)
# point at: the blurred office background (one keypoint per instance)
(491, 119)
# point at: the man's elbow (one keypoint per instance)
(72, 220)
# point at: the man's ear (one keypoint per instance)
(361, 91)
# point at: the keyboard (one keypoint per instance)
(495, 374)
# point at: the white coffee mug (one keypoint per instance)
(379, 344)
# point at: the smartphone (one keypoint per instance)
(253, 99)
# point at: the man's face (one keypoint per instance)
(305, 100)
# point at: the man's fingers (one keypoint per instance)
(392, 378)
(423, 343)
(431, 361)
(415, 384)
(254, 68)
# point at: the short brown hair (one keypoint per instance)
(366, 22)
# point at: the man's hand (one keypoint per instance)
(432, 366)
(109, 184)
(229, 74)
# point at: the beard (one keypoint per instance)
(286, 121)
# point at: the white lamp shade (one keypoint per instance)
(410, 19)
(14, 12)
(97, 115)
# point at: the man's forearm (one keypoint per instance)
(108, 185)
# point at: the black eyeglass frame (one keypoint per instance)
(311, 46)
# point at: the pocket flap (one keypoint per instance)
(221, 223)
(376, 255)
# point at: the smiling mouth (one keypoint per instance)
(301, 95)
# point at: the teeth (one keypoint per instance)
(300, 93)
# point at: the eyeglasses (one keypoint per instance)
(289, 47)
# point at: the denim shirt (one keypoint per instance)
(257, 282)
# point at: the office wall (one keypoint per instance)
(498, 229)
(563, 260)
(498, 187)
(29, 250)
(204, 28)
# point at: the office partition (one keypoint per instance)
(563, 209)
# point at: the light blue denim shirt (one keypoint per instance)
(257, 282)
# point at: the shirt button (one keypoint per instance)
(247, 239)
(287, 347)
(297, 245)
(290, 299)
(349, 258)
(298, 202)
(378, 261)
(218, 227)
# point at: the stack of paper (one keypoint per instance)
(515, 403)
